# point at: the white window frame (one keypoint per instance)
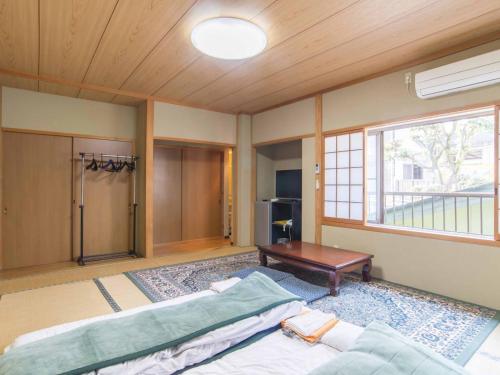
(335, 172)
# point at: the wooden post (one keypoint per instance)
(319, 156)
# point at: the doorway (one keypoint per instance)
(192, 197)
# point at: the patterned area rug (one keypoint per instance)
(452, 328)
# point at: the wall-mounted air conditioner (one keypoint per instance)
(478, 71)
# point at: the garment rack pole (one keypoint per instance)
(81, 261)
(132, 252)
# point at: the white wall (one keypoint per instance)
(174, 121)
(291, 120)
(30, 110)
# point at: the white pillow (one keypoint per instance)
(342, 336)
(220, 286)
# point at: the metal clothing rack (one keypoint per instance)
(126, 253)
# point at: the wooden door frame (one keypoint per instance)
(182, 143)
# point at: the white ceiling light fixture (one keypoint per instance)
(229, 38)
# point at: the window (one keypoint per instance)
(434, 174)
(412, 172)
(343, 190)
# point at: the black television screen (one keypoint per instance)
(289, 184)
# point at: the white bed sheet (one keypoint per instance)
(51, 331)
(275, 354)
(176, 358)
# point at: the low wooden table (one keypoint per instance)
(319, 258)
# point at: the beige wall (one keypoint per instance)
(458, 270)
(174, 121)
(387, 98)
(272, 158)
(308, 189)
(463, 271)
(290, 155)
(244, 176)
(291, 120)
(264, 175)
(31, 110)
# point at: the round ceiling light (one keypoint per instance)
(228, 38)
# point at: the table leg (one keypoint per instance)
(334, 279)
(263, 259)
(366, 271)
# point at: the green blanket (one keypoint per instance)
(105, 343)
(382, 350)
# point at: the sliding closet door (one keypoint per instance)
(202, 193)
(108, 213)
(167, 195)
(37, 199)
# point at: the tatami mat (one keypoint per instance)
(54, 296)
(35, 309)
(124, 292)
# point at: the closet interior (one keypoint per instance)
(192, 196)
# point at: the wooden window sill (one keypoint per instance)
(477, 240)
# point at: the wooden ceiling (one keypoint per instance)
(143, 46)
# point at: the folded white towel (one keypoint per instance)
(308, 323)
(342, 336)
(220, 286)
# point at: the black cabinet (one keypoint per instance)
(286, 209)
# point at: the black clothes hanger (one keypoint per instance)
(109, 166)
(131, 166)
(120, 165)
(93, 164)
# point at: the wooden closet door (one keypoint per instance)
(201, 193)
(108, 214)
(37, 199)
(167, 195)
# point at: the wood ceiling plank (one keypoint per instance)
(175, 52)
(135, 28)
(361, 18)
(69, 35)
(280, 21)
(19, 39)
(478, 31)
(408, 29)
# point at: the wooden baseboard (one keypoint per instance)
(191, 245)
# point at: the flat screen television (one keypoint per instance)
(289, 184)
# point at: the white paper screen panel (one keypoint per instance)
(343, 182)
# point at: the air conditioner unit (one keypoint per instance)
(478, 71)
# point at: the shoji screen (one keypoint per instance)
(344, 176)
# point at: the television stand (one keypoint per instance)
(286, 209)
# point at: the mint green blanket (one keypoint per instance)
(105, 343)
(382, 350)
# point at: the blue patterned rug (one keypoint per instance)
(452, 328)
